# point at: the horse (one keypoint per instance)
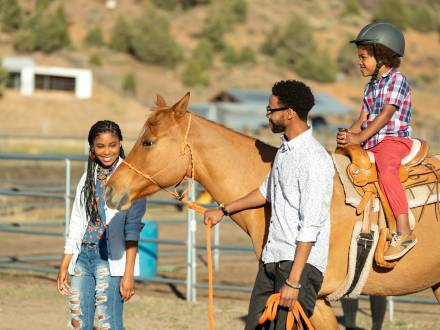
(175, 144)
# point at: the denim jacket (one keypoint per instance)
(121, 226)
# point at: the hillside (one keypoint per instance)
(59, 114)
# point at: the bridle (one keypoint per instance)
(183, 151)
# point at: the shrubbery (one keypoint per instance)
(10, 15)
(194, 74)
(3, 78)
(95, 60)
(347, 58)
(351, 8)
(172, 4)
(294, 46)
(43, 31)
(94, 37)
(393, 11)
(129, 84)
(319, 66)
(152, 42)
(424, 18)
(121, 35)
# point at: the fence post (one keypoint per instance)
(67, 198)
(391, 307)
(191, 279)
(216, 251)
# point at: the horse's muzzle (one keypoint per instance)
(117, 201)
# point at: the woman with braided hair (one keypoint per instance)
(383, 125)
(100, 253)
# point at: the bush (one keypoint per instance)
(422, 18)
(204, 53)
(3, 78)
(194, 74)
(165, 4)
(393, 11)
(95, 60)
(318, 66)
(351, 8)
(347, 58)
(121, 35)
(291, 43)
(129, 84)
(24, 41)
(152, 41)
(214, 31)
(94, 37)
(232, 56)
(232, 11)
(10, 15)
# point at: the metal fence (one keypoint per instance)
(192, 249)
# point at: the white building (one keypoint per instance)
(28, 77)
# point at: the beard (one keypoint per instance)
(276, 128)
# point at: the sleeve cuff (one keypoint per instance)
(308, 235)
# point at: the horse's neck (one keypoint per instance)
(228, 164)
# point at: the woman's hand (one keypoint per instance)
(63, 282)
(126, 287)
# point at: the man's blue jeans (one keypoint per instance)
(92, 288)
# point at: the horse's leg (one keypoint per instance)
(323, 317)
(436, 290)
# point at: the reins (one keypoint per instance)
(194, 206)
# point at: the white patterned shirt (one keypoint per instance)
(300, 188)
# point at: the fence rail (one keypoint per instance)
(192, 249)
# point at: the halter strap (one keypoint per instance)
(185, 146)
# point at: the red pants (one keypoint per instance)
(388, 155)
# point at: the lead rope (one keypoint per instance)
(194, 206)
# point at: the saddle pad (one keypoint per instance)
(416, 196)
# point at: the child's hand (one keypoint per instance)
(346, 138)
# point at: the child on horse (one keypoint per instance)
(100, 253)
(383, 125)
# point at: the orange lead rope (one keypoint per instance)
(201, 209)
(293, 317)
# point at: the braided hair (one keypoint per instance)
(88, 191)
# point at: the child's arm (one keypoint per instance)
(356, 127)
(378, 123)
(348, 138)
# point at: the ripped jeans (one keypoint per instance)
(92, 288)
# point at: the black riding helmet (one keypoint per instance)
(383, 33)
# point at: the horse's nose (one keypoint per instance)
(116, 202)
(108, 194)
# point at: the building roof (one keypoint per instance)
(325, 104)
(16, 63)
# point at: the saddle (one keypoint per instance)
(416, 169)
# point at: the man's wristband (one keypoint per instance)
(293, 286)
(223, 209)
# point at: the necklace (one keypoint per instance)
(103, 173)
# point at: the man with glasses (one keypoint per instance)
(299, 188)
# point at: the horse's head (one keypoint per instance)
(160, 157)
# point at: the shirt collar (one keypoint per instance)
(388, 73)
(296, 141)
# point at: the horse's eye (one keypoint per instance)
(147, 143)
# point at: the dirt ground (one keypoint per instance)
(29, 299)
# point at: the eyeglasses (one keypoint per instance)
(269, 110)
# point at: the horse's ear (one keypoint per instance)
(181, 107)
(160, 101)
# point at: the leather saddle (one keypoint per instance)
(416, 169)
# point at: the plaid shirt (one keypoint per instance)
(392, 88)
